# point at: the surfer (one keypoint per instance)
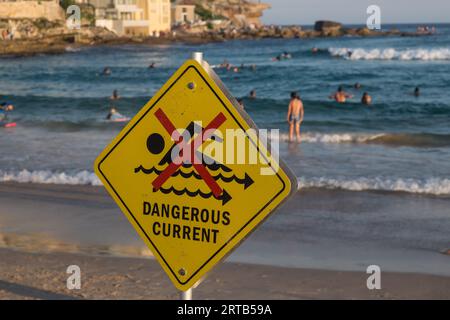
(4, 108)
(295, 116)
(114, 115)
(340, 95)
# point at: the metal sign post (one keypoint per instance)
(186, 295)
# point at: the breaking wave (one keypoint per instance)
(433, 186)
(418, 140)
(48, 177)
(391, 54)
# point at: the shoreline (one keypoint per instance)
(32, 47)
(319, 230)
(43, 276)
(62, 43)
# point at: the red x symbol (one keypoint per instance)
(175, 164)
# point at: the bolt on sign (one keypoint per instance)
(178, 173)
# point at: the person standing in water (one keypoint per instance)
(417, 92)
(295, 116)
(341, 96)
(366, 99)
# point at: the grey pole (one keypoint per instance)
(197, 56)
(186, 295)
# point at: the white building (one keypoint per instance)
(133, 17)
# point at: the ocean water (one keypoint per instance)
(400, 143)
(374, 181)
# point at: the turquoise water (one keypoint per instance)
(400, 143)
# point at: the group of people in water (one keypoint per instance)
(283, 56)
(107, 70)
(295, 114)
(113, 114)
(341, 96)
(230, 67)
(426, 30)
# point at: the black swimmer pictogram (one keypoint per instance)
(246, 181)
(224, 197)
(167, 168)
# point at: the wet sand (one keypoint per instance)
(43, 276)
(46, 228)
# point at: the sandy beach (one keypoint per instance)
(33, 264)
(43, 276)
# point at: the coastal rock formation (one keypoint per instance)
(327, 26)
(30, 9)
(241, 13)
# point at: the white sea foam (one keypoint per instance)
(391, 54)
(389, 139)
(335, 137)
(48, 177)
(434, 186)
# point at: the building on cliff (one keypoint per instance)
(31, 9)
(183, 11)
(133, 17)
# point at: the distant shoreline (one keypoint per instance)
(61, 43)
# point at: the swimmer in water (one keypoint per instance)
(295, 116)
(106, 71)
(152, 65)
(357, 86)
(417, 92)
(366, 99)
(341, 96)
(115, 95)
(252, 94)
(286, 55)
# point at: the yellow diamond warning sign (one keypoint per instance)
(192, 174)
